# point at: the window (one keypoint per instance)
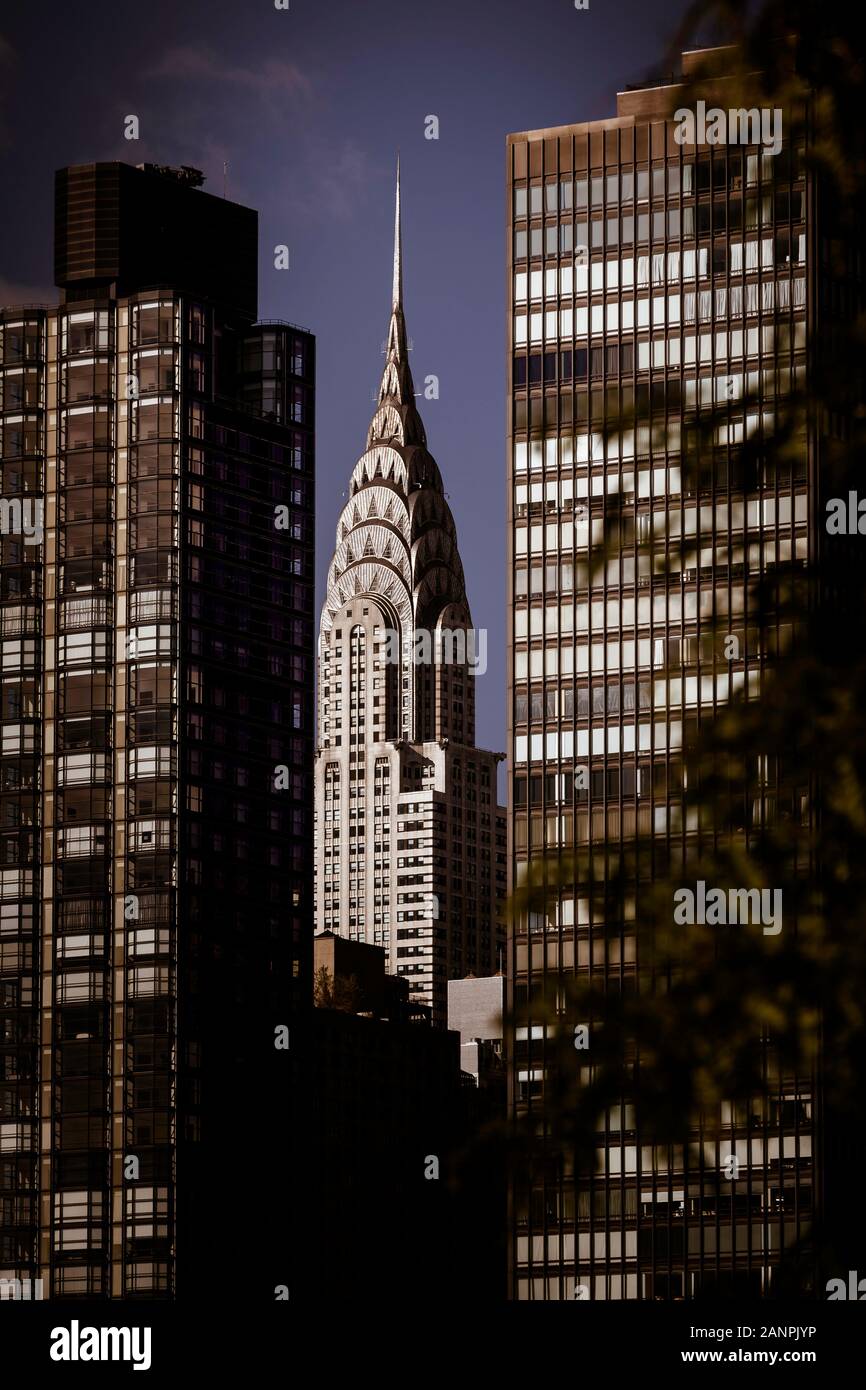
(79, 987)
(145, 981)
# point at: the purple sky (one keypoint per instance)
(308, 107)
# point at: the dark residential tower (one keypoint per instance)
(157, 737)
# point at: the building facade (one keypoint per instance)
(648, 281)
(476, 1006)
(388, 1115)
(410, 851)
(476, 1010)
(157, 668)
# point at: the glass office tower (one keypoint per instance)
(157, 679)
(648, 282)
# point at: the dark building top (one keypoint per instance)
(120, 229)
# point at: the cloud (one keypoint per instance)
(13, 294)
(326, 177)
(198, 63)
(336, 180)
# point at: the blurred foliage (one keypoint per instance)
(343, 993)
(776, 784)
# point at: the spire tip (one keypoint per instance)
(397, 294)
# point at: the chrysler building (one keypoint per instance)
(410, 843)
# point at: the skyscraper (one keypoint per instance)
(410, 844)
(648, 281)
(157, 608)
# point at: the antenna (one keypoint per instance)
(397, 290)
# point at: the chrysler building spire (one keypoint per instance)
(397, 376)
(396, 535)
